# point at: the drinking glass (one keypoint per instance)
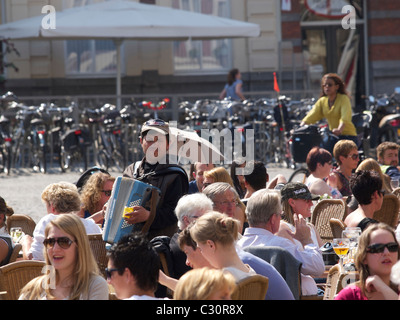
(352, 233)
(394, 183)
(341, 247)
(16, 233)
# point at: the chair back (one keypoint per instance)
(337, 226)
(389, 212)
(98, 246)
(14, 276)
(325, 210)
(284, 262)
(396, 192)
(21, 220)
(15, 252)
(334, 282)
(251, 288)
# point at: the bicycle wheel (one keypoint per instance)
(80, 159)
(102, 159)
(300, 175)
(65, 159)
(118, 160)
(262, 146)
(39, 159)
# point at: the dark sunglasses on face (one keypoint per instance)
(109, 272)
(380, 247)
(63, 242)
(107, 192)
(353, 156)
(328, 85)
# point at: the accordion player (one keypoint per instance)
(128, 192)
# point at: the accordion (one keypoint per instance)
(128, 192)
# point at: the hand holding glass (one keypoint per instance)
(341, 247)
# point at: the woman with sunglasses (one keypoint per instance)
(378, 251)
(366, 187)
(321, 179)
(95, 194)
(345, 153)
(74, 273)
(333, 105)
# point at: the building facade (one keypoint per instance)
(300, 40)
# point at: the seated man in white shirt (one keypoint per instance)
(264, 215)
(59, 198)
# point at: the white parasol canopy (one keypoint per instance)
(122, 19)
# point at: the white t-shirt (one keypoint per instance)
(38, 234)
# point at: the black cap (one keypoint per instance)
(297, 190)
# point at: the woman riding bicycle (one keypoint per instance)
(333, 105)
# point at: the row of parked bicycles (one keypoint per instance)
(41, 136)
(75, 138)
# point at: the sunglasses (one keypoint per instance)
(109, 272)
(107, 192)
(63, 242)
(380, 247)
(328, 85)
(354, 156)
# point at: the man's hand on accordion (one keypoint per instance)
(139, 214)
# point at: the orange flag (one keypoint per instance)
(276, 87)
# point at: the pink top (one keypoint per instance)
(351, 292)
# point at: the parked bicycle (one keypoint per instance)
(30, 138)
(5, 145)
(71, 140)
(108, 142)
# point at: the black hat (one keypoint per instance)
(297, 190)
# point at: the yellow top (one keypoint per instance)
(339, 112)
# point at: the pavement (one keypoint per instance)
(22, 189)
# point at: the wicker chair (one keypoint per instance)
(324, 211)
(15, 253)
(396, 192)
(334, 282)
(337, 226)
(251, 288)
(389, 212)
(14, 276)
(98, 246)
(21, 220)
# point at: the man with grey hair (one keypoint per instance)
(223, 196)
(188, 208)
(264, 216)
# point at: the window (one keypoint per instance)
(207, 55)
(89, 57)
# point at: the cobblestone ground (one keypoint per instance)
(22, 188)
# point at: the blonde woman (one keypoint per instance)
(68, 253)
(215, 234)
(205, 284)
(372, 164)
(346, 155)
